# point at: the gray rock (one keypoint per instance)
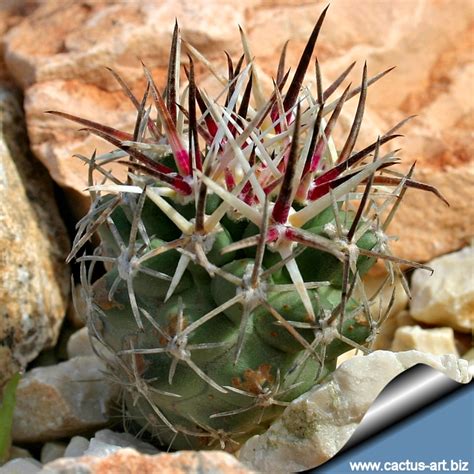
(315, 426)
(51, 451)
(62, 400)
(76, 447)
(21, 466)
(34, 279)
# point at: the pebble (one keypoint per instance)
(434, 341)
(52, 450)
(315, 426)
(79, 344)
(21, 466)
(446, 298)
(62, 400)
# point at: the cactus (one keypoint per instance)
(235, 246)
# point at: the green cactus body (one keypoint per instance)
(234, 251)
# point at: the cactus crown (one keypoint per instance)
(234, 248)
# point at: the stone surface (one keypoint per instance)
(11, 13)
(129, 461)
(387, 331)
(76, 447)
(58, 54)
(17, 452)
(21, 466)
(447, 297)
(434, 341)
(52, 450)
(58, 401)
(79, 344)
(315, 426)
(80, 39)
(469, 356)
(106, 441)
(34, 279)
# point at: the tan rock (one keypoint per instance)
(65, 71)
(469, 356)
(446, 297)
(315, 426)
(11, 13)
(130, 461)
(436, 229)
(79, 40)
(17, 452)
(437, 341)
(34, 279)
(58, 401)
(79, 344)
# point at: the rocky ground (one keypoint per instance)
(53, 56)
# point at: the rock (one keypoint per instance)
(433, 84)
(79, 40)
(67, 73)
(385, 335)
(315, 426)
(106, 441)
(447, 297)
(34, 279)
(17, 452)
(437, 341)
(132, 462)
(469, 356)
(444, 229)
(62, 400)
(11, 13)
(21, 466)
(76, 447)
(79, 344)
(348, 356)
(51, 451)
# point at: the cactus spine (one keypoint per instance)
(234, 248)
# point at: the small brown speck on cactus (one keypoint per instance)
(234, 250)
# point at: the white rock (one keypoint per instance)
(61, 400)
(447, 297)
(434, 341)
(347, 356)
(106, 441)
(21, 466)
(76, 447)
(51, 451)
(79, 344)
(317, 424)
